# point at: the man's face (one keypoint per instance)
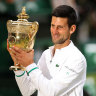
(60, 31)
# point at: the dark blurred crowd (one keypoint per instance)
(86, 25)
(86, 10)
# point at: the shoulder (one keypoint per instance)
(48, 51)
(75, 58)
(45, 52)
(76, 53)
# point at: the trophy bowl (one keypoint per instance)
(21, 33)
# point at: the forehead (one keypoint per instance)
(59, 20)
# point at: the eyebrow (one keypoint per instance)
(58, 25)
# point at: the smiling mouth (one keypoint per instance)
(55, 36)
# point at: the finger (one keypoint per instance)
(32, 52)
(16, 54)
(7, 45)
(12, 51)
(13, 57)
(11, 54)
(16, 49)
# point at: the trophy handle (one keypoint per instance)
(34, 29)
(15, 68)
(35, 26)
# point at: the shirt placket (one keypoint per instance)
(54, 64)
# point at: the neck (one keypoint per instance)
(59, 46)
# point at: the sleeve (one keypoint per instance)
(26, 86)
(24, 83)
(66, 79)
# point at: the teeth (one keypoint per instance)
(55, 36)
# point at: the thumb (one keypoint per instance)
(32, 52)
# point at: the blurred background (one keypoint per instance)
(40, 10)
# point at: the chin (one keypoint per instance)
(56, 42)
(59, 42)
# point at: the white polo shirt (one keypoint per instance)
(63, 74)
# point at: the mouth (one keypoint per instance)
(55, 38)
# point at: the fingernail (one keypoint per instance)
(13, 47)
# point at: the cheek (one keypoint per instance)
(65, 33)
(51, 29)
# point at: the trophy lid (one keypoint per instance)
(19, 25)
(22, 19)
(23, 14)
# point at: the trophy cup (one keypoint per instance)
(21, 33)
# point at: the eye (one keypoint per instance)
(52, 25)
(60, 27)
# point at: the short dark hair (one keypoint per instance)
(66, 11)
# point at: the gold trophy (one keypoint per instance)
(21, 33)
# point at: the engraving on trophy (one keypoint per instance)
(21, 33)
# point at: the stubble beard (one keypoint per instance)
(60, 41)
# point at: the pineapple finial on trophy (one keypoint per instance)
(23, 14)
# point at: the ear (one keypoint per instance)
(72, 29)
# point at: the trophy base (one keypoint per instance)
(15, 68)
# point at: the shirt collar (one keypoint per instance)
(64, 48)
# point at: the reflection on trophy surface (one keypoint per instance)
(21, 33)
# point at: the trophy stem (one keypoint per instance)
(15, 68)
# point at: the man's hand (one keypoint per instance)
(24, 58)
(11, 54)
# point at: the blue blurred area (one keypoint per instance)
(40, 10)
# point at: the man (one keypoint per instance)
(61, 70)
